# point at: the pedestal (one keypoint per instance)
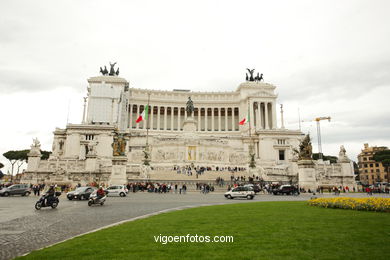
(307, 175)
(189, 125)
(118, 171)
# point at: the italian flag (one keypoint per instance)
(245, 120)
(144, 115)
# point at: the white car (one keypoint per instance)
(117, 190)
(240, 192)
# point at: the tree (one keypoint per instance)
(384, 158)
(16, 157)
(1, 173)
(45, 155)
(332, 159)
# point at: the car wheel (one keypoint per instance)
(82, 197)
(229, 196)
(70, 198)
(38, 206)
(6, 194)
(122, 194)
(26, 193)
(249, 197)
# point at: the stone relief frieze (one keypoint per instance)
(238, 158)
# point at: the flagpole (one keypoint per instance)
(147, 122)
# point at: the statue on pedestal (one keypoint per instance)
(190, 107)
(305, 149)
(119, 146)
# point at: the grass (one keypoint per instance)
(264, 230)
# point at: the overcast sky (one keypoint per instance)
(327, 58)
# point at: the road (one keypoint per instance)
(23, 229)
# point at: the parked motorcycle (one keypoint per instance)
(93, 199)
(45, 202)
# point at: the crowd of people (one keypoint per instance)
(199, 170)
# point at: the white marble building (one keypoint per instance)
(211, 137)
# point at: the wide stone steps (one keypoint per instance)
(206, 176)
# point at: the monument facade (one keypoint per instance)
(182, 128)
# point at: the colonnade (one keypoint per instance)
(172, 117)
(263, 115)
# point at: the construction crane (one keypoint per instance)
(318, 119)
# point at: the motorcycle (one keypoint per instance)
(93, 199)
(45, 202)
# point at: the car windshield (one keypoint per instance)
(80, 189)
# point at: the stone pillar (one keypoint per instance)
(172, 116)
(151, 118)
(205, 118)
(266, 115)
(233, 124)
(118, 171)
(219, 118)
(274, 121)
(178, 118)
(131, 117)
(144, 121)
(251, 115)
(158, 118)
(165, 117)
(212, 120)
(226, 119)
(137, 124)
(199, 120)
(307, 175)
(260, 126)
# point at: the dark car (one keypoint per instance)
(255, 188)
(81, 193)
(16, 189)
(285, 189)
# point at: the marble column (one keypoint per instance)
(226, 119)
(212, 119)
(251, 115)
(131, 117)
(219, 118)
(158, 118)
(199, 126)
(266, 115)
(151, 118)
(205, 118)
(165, 117)
(274, 121)
(178, 118)
(172, 116)
(137, 124)
(260, 126)
(233, 126)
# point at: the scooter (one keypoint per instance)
(93, 199)
(44, 202)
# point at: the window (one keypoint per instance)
(377, 170)
(89, 137)
(365, 165)
(364, 159)
(281, 155)
(371, 165)
(281, 141)
(377, 164)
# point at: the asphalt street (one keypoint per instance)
(23, 229)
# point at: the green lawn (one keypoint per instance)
(263, 230)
